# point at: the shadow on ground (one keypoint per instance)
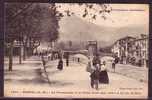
(26, 78)
(37, 81)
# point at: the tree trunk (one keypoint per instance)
(30, 51)
(24, 49)
(24, 53)
(20, 54)
(11, 56)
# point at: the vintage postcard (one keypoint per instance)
(76, 50)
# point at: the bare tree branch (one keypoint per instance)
(20, 12)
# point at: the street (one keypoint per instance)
(71, 78)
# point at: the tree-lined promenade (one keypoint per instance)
(28, 24)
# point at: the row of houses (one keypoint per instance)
(131, 50)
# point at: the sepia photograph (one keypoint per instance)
(76, 50)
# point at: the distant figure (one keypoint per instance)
(67, 59)
(56, 56)
(114, 62)
(49, 57)
(43, 60)
(78, 60)
(40, 54)
(60, 64)
(113, 65)
(67, 62)
(116, 59)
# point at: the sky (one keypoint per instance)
(123, 20)
(121, 14)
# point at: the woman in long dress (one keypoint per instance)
(103, 77)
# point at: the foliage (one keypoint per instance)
(37, 20)
(89, 10)
(25, 20)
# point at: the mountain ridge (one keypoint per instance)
(76, 29)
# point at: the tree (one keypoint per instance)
(87, 10)
(10, 28)
(29, 24)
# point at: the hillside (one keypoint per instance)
(76, 29)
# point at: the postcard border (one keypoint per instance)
(71, 1)
(1, 47)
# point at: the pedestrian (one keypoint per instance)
(116, 59)
(95, 76)
(67, 62)
(56, 56)
(114, 62)
(103, 77)
(78, 59)
(40, 54)
(43, 60)
(67, 59)
(95, 73)
(113, 65)
(60, 64)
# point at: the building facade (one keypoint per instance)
(122, 49)
(140, 51)
(132, 50)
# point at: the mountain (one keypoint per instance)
(76, 29)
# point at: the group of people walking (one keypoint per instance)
(97, 69)
(60, 60)
(98, 72)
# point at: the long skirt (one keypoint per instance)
(103, 77)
